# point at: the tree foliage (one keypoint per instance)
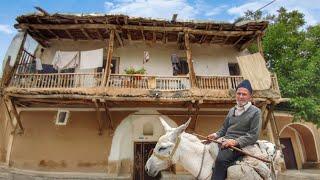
(293, 53)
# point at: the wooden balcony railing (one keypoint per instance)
(218, 82)
(26, 63)
(149, 82)
(56, 80)
(228, 82)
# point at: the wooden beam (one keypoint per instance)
(14, 113)
(265, 123)
(84, 32)
(259, 43)
(41, 41)
(69, 34)
(129, 36)
(227, 38)
(275, 131)
(119, 39)
(142, 33)
(154, 36)
(189, 59)
(164, 38)
(246, 44)
(135, 27)
(203, 38)
(109, 59)
(42, 11)
(53, 33)
(234, 44)
(108, 115)
(197, 116)
(99, 34)
(98, 115)
(174, 18)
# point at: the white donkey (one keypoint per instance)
(176, 146)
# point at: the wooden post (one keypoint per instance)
(14, 114)
(265, 123)
(108, 115)
(275, 131)
(189, 59)
(109, 59)
(197, 116)
(259, 43)
(98, 116)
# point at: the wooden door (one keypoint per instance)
(288, 153)
(141, 155)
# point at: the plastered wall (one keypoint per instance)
(207, 59)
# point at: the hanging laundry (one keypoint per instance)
(38, 64)
(91, 59)
(175, 64)
(146, 57)
(65, 60)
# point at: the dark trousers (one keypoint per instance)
(225, 158)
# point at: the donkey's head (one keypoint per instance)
(165, 149)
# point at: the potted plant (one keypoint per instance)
(133, 71)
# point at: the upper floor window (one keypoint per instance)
(234, 69)
(115, 65)
(179, 65)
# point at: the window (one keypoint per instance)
(62, 117)
(115, 65)
(180, 67)
(234, 69)
(148, 129)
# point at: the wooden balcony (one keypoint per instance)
(227, 82)
(165, 83)
(56, 80)
(146, 82)
(26, 81)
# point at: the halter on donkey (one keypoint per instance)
(176, 146)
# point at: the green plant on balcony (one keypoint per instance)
(132, 81)
(132, 70)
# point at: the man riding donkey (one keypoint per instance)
(241, 128)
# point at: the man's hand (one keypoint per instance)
(212, 136)
(228, 143)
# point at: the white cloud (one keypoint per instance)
(5, 29)
(108, 5)
(215, 11)
(186, 10)
(310, 8)
(153, 8)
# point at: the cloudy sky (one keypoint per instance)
(219, 10)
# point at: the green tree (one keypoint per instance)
(293, 53)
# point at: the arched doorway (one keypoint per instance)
(133, 139)
(299, 146)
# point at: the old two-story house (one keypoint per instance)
(88, 99)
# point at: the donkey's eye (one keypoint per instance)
(162, 148)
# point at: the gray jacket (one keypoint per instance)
(245, 129)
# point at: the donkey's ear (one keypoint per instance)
(182, 128)
(165, 125)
